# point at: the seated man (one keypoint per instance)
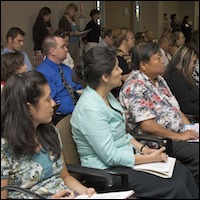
(15, 42)
(151, 108)
(107, 40)
(63, 90)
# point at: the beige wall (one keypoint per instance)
(118, 14)
(151, 14)
(24, 13)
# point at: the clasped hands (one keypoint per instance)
(69, 194)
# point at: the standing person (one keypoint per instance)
(15, 43)
(11, 63)
(104, 143)
(92, 38)
(41, 28)
(64, 90)
(166, 25)
(31, 154)
(151, 108)
(68, 23)
(186, 28)
(180, 80)
(174, 23)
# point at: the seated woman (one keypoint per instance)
(99, 131)
(124, 42)
(31, 154)
(179, 77)
(178, 39)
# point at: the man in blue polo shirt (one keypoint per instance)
(64, 90)
(15, 42)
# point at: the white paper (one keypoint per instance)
(162, 169)
(108, 195)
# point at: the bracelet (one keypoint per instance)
(142, 148)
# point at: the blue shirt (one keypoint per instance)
(58, 91)
(100, 132)
(26, 58)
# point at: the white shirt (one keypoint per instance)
(166, 57)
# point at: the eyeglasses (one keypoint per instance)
(64, 33)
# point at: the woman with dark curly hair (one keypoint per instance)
(11, 63)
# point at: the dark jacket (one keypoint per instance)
(39, 33)
(186, 94)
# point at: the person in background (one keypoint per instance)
(15, 43)
(124, 42)
(31, 149)
(107, 40)
(174, 23)
(151, 108)
(194, 43)
(180, 80)
(186, 28)
(11, 63)
(1, 45)
(104, 143)
(178, 39)
(41, 28)
(150, 36)
(139, 37)
(66, 36)
(68, 23)
(92, 38)
(166, 25)
(64, 90)
(165, 44)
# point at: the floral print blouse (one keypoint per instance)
(142, 100)
(39, 173)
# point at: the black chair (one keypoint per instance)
(73, 163)
(155, 142)
(193, 118)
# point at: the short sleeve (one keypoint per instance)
(5, 160)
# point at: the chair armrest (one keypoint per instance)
(91, 172)
(124, 177)
(23, 190)
(161, 141)
(193, 118)
(105, 174)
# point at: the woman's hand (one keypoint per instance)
(63, 194)
(90, 191)
(159, 155)
(146, 150)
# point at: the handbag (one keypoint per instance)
(23, 190)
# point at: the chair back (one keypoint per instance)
(70, 153)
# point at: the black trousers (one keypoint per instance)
(181, 186)
(188, 154)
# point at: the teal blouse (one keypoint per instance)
(99, 132)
